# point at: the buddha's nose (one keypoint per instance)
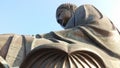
(60, 21)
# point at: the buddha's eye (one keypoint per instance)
(58, 15)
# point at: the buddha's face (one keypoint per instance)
(64, 13)
(63, 16)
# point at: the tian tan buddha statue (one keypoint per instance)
(90, 40)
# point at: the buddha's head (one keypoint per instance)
(64, 12)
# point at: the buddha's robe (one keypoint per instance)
(89, 40)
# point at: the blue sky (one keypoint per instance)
(38, 16)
